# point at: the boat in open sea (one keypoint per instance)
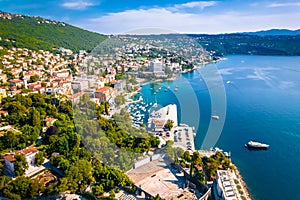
(256, 145)
(216, 117)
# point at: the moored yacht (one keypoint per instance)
(256, 145)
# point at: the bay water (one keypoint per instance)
(257, 98)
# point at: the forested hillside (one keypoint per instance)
(38, 33)
(285, 45)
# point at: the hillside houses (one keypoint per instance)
(106, 94)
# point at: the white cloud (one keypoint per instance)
(77, 5)
(181, 21)
(286, 4)
(196, 4)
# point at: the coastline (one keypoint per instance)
(144, 82)
(267, 158)
(243, 182)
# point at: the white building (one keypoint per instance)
(225, 186)
(80, 85)
(156, 66)
(29, 153)
(120, 85)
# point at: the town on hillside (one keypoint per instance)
(52, 103)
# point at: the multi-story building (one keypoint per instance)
(227, 186)
(120, 85)
(156, 66)
(80, 85)
(105, 94)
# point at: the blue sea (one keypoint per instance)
(257, 98)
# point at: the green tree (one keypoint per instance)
(11, 138)
(112, 195)
(119, 100)
(21, 186)
(11, 195)
(199, 175)
(39, 158)
(169, 124)
(4, 181)
(20, 165)
(35, 118)
(34, 78)
(196, 158)
(80, 172)
(36, 188)
(186, 156)
(98, 190)
(106, 107)
(31, 133)
(1, 169)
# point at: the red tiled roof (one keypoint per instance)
(50, 119)
(27, 150)
(33, 84)
(3, 112)
(16, 81)
(198, 167)
(105, 88)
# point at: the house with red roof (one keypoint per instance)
(29, 153)
(105, 94)
(16, 82)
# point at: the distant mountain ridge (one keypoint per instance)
(274, 32)
(37, 33)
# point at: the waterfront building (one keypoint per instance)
(227, 186)
(156, 66)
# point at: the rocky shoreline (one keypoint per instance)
(243, 182)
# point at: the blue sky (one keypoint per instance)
(181, 16)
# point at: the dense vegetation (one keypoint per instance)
(26, 32)
(250, 44)
(68, 145)
(208, 165)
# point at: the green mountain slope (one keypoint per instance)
(38, 33)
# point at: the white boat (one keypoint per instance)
(176, 89)
(256, 145)
(216, 117)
